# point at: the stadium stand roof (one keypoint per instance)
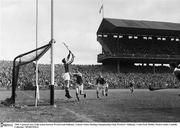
(109, 25)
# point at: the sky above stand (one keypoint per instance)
(75, 22)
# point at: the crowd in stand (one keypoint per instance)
(90, 73)
(5, 74)
(141, 46)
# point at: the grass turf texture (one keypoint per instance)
(119, 106)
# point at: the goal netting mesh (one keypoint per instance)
(24, 77)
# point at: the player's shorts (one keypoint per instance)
(106, 85)
(66, 76)
(99, 86)
(81, 87)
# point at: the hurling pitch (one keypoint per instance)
(119, 106)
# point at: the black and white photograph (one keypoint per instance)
(106, 63)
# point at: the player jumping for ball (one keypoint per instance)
(79, 84)
(67, 61)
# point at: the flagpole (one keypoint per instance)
(103, 11)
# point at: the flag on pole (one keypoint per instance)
(100, 10)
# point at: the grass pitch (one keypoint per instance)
(119, 106)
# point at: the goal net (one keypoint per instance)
(23, 78)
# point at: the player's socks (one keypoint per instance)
(67, 93)
(85, 95)
(68, 96)
(97, 94)
(77, 96)
(102, 93)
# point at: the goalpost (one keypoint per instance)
(29, 57)
(21, 60)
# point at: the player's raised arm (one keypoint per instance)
(72, 58)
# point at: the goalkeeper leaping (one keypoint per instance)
(66, 76)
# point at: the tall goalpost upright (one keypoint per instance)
(28, 57)
(52, 54)
(37, 79)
